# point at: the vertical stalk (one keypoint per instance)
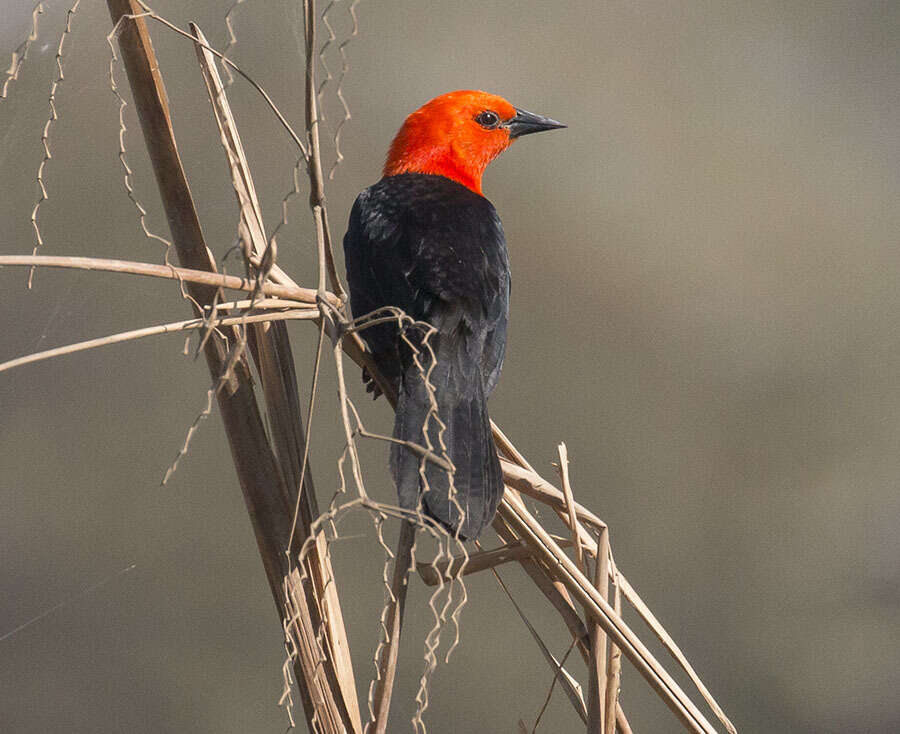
(316, 178)
(387, 661)
(257, 471)
(598, 716)
(268, 494)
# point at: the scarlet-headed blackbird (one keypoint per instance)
(425, 240)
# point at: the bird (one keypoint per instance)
(425, 240)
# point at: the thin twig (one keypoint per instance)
(570, 685)
(558, 677)
(20, 54)
(387, 662)
(305, 314)
(317, 181)
(45, 134)
(614, 669)
(528, 482)
(570, 503)
(551, 588)
(201, 277)
(508, 449)
(622, 721)
(450, 569)
(597, 717)
(232, 40)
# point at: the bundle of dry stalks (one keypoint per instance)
(246, 337)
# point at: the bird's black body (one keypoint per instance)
(435, 249)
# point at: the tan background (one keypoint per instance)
(705, 308)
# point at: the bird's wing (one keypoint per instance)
(433, 248)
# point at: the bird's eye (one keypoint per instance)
(488, 119)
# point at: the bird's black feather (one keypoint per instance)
(436, 250)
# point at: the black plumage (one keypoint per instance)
(435, 249)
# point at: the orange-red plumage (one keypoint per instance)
(443, 138)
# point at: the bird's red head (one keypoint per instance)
(457, 134)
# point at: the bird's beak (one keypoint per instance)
(525, 123)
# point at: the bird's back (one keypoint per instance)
(436, 250)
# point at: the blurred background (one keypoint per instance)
(704, 309)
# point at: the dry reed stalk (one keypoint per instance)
(386, 664)
(596, 657)
(598, 722)
(530, 483)
(507, 449)
(204, 323)
(272, 353)
(329, 714)
(622, 723)
(217, 280)
(570, 503)
(316, 178)
(458, 566)
(266, 491)
(613, 672)
(20, 53)
(596, 719)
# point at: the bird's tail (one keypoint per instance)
(469, 503)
